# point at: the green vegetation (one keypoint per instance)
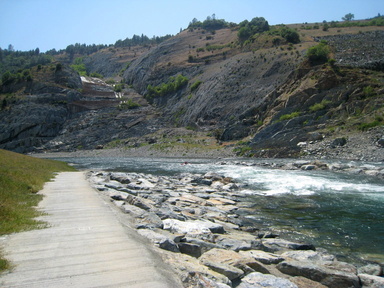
(9, 78)
(17, 61)
(128, 104)
(369, 91)
(195, 85)
(174, 84)
(319, 106)
(319, 54)
(96, 75)
(289, 116)
(119, 87)
(79, 66)
(376, 21)
(379, 120)
(142, 40)
(248, 29)
(21, 177)
(290, 35)
(211, 23)
(348, 17)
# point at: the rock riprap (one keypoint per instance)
(196, 222)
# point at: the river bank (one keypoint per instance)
(203, 229)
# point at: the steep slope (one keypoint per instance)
(34, 111)
(232, 80)
(263, 92)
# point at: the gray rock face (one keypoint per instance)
(258, 280)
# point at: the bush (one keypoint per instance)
(96, 75)
(119, 87)
(290, 35)
(319, 106)
(289, 116)
(248, 29)
(369, 91)
(128, 104)
(173, 85)
(195, 85)
(318, 54)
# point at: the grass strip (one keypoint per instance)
(21, 177)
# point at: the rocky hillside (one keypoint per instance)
(263, 96)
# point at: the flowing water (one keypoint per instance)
(341, 212)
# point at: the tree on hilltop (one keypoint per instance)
(348, 17)
(249, 28)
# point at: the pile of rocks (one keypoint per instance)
(197, 223)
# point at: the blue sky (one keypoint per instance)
(47, 24)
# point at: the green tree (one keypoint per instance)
(348, 17)
(319, 54)
(7, 78)
(290, 35)
(250, 28)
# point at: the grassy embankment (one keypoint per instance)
(21, 177)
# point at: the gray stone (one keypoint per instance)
(263, 257)
(159, 240)
(190, 249)
(258, 280)
(326, 276)
(192, 227)
(339, 142)
(370, 281)
(139, 202)
(308, 167)
(234, 244)
(227, 270)
(120, 177)
(197, 280)
(371, 269)
(309, 255)
(277, 244)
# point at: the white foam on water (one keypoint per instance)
(274, 182)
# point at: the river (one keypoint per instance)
(343, 213)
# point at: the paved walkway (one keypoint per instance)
(85, 245)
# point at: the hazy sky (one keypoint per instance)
(47, 24)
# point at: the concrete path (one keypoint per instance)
(85, 246)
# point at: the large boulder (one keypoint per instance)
(370, 281)
(277, 244)
(258, 280)
(327, 276)
(159, 240)
(263, 257)
(192, 227)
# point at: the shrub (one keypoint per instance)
(289, 116)
(368, 91)
(318, 54)
(248, 29)
(290, 35)
(96, 75)
(128, 104)
(173, 85)
(319, 106)
(119, 87)
(195, 85)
